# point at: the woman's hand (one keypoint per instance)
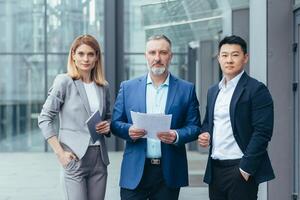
(103, 127)
(66, 157)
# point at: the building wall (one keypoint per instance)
(279, 80)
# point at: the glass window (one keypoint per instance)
(22, 26)
(297, 3)
(69, 18)
(20, 102)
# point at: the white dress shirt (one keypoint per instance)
(91, 93)
(224, 145)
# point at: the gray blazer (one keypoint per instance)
(68, 98)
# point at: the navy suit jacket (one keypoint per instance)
(182, 103)
(252, 117)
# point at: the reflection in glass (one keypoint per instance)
(22, 25)
(21, 92)
(57, 64)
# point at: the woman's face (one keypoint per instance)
(84, 58)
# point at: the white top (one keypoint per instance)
(224, 145)
(91, 93)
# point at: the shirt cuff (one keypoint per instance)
(245, 172)
(177, 137)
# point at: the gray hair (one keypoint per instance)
(160, 37)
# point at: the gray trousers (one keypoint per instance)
(86, 179)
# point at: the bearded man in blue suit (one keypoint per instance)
(156, 169)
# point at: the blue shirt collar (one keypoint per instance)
(165, 83)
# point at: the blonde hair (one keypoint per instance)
(97, 73)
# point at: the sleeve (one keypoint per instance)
(205, 124)
(119, 125)
(262, 119)
(108, 109)
(107, 104)
(191, 129)
(52, 106)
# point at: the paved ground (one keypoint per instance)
(36, 176)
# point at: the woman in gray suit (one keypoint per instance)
(75, 96)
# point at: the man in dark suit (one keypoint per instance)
(238, 126)
(156, 169)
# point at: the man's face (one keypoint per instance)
(232, 60)
(158, 55)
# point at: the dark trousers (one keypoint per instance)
(152, 186)
(229, 184)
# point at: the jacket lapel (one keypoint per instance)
(141, 94)
(173, 84)
(101, 97)
(80, 88)
(211, 109)
(240, 87)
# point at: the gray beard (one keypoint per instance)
(157, 70)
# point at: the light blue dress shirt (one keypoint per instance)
(156, 100)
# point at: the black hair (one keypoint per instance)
(233, 39)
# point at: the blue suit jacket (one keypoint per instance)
(182, 103)
(252, 117)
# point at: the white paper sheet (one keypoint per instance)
(152, 123)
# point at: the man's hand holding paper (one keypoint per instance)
(168, 137)
(151, 126)
(136, 133)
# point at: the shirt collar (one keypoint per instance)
(233, 82)
(165, 83)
